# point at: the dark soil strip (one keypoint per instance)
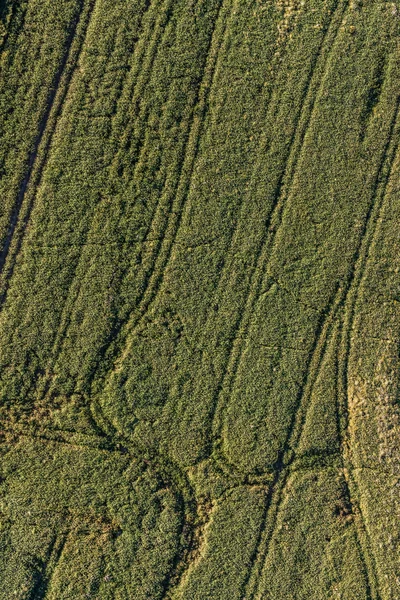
(55, 103)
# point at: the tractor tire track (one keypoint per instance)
(37, 160)
(115, 167)
(168, 475)
(156, 275)
(139, 150)
(10, 24)
(357, 275)
(140, 81)
(288, 457)
(262, 256)
(287, 454)
(338, 305)
(163, 252)
(138, 90)
(73, 293)
(140, 78)
(44, 579)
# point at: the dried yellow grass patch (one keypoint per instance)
(289, 10)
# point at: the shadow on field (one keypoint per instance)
(5, 6)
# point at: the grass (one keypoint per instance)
(199, 292)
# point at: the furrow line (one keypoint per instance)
(10, 23)
(362, 556)
(39, 591)
(341, 299)
(35, 593)
(102, 423)
(317, 354)
(295, 429)
(358, 272)
(37, 160)
(73, 291)
(138, 127)
(155, 276)
(262, 255)
(179, 566)
(48, 437)
(250, 583)
(233, 235)
(140, 79)
(138, 92)
(367, 236)
(188, 508)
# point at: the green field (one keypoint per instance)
(200, 299)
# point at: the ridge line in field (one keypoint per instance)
(47, 126)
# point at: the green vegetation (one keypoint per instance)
(199, 299)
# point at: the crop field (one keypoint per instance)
(200, 299)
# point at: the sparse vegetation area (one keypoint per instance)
(199, 299)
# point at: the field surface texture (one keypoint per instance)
(199, 299)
